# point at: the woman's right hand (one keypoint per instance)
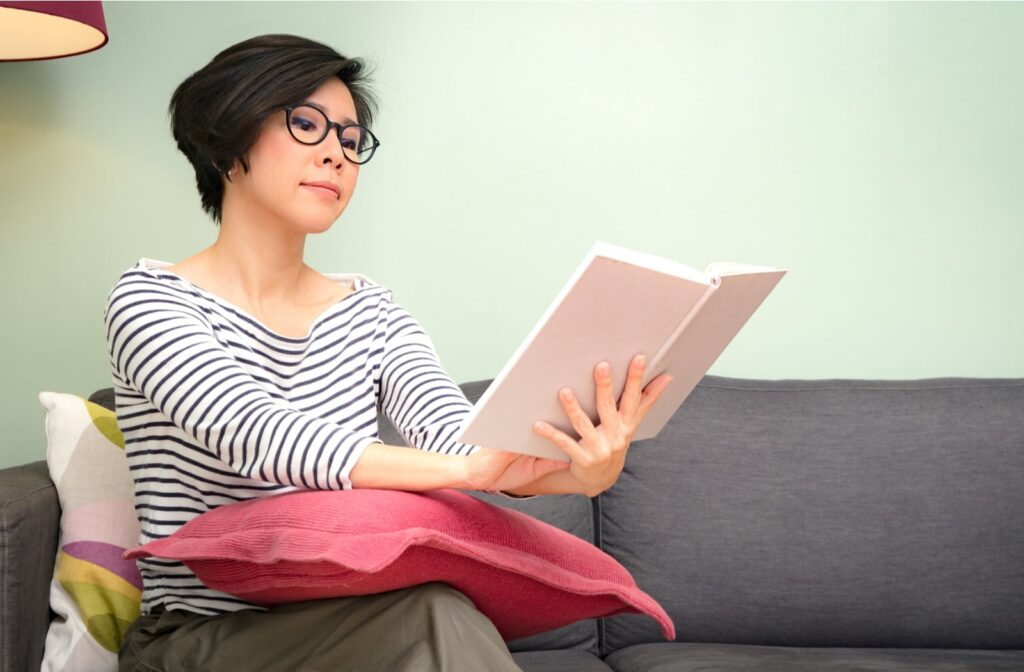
(490, 469)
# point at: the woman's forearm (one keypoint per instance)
(402, 468)
(556, 483)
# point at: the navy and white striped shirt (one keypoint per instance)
(217, 408)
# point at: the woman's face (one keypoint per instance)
(280, 168)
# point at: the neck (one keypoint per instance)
(262, 259)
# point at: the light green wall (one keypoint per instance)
(873, 149)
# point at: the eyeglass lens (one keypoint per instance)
(310, 126)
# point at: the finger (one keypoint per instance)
(572, 448)
(630, 399)
(651, 394)
(605, 402)
(580, 420)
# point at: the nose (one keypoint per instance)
(331, 150)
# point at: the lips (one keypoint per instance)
(333, 188)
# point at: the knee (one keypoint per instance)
(460, 636)
(438, 593)
(438, 600)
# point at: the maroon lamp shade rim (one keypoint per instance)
(89, 13)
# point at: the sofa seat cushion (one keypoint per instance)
(691, 657)
(559, 661)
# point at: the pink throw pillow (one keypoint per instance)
(527, 576)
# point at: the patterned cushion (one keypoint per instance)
(95, 592)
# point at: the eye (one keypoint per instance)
(304, 123)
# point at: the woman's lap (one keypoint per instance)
(427, 627)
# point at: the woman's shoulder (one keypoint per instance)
(358, 282)
(144, 268)
(356, 279)
(146, 279)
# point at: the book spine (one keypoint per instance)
(655, 362)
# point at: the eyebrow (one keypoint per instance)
(324, 110)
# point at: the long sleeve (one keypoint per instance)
(417, 394)
(164, 347)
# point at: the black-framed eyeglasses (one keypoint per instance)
(310, 126)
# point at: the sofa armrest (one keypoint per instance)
(29, 522)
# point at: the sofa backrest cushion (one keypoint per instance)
(852, 513)
(29, 516)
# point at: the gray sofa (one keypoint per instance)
(790, 525)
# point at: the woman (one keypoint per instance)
(242, 372)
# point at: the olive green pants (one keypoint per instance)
(423, 628)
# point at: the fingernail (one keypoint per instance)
(603, 368)
(566, 393)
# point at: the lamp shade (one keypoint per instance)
(31, 31)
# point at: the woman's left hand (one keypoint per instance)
(598, 457)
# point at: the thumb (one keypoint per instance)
(546, 465)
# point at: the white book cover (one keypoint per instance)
(618, 303)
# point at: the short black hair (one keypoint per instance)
(218, 111)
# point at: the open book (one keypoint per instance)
(617, 304)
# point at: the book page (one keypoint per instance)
(710, 331)
(650, 261)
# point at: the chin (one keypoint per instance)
(319, 224)
(316, 227)
(314, 222)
